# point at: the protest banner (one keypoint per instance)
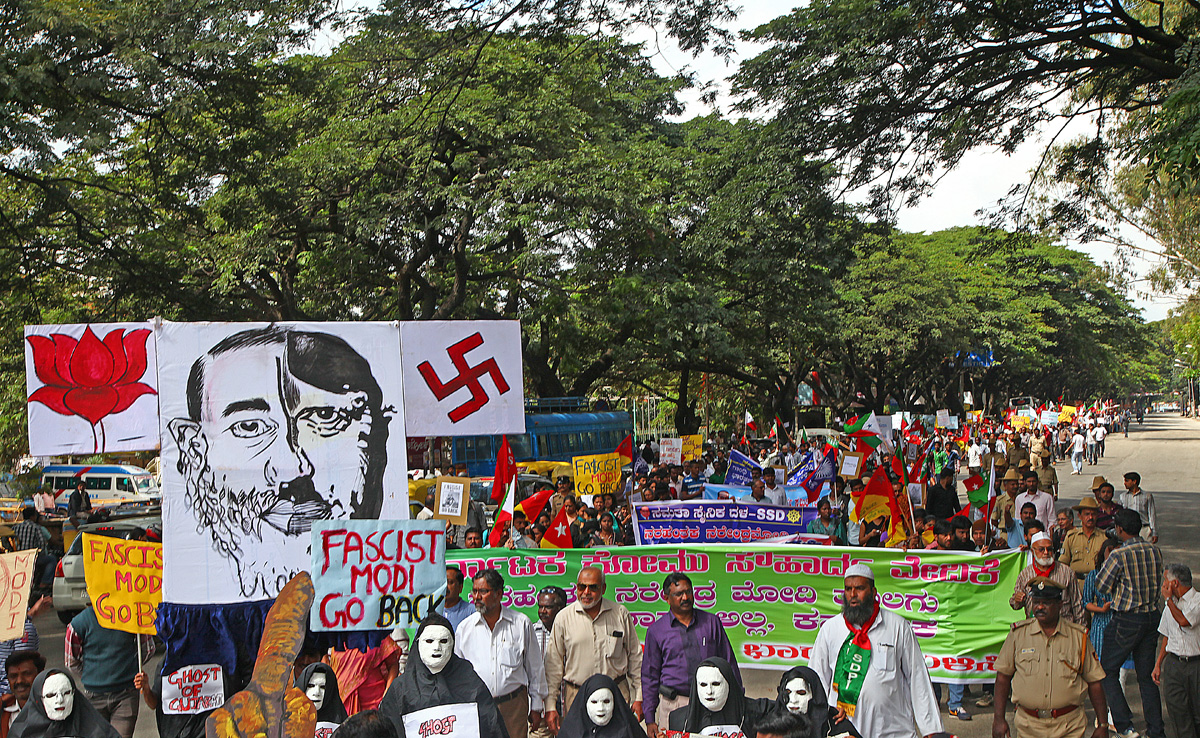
(376, 574)
(693, 446)
(724, 521)
(1049, 417)
(670, 450)
(16, 576)
(740, 468)
(1066, 413)
(451, 500)
(460, 719)
(943, 418)
(124, 581)
(1019, 422)
(797, 495)
(193, 690)
(597, 474)
(773, 599)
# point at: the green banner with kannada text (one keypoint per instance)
(773, 599)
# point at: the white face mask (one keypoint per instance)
(798, 696)
(600, 707)
(58, 696)
(316, 689)
(713, 689)
(435, 646)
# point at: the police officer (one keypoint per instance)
(1048, 664)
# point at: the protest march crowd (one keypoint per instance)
(1096, 593)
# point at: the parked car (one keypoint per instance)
(70, 589)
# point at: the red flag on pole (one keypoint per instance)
(506, 470)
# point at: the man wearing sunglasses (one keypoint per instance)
(593, 635)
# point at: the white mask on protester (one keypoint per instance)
(316, 689)
(798, 696)
(58, 696)
(435, 647)
(600, 707)
(713, 689)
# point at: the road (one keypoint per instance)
(1165, 450)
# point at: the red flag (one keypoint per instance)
(533, 505)
(503, 515)
(750, 424)
(972, 483)
(625, 450)
(506, 470)
(559, 533)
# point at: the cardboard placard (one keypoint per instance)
(852, 464)
(451, 499)
(124, 581)
(376, 574)
(670, 450)
(193, 689)
(943, 419)
(460, 720)
(597, 474)
(693, 446)
(16, 574)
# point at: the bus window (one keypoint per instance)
(63, 483)
(98, 482)
(522, 446)
(124, 485)
(573, 442)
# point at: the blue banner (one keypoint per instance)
(800, 472)
(797, 496)
(724, 521)
(740, 466)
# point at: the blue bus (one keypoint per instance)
(547, 437)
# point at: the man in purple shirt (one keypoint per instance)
(675, 646)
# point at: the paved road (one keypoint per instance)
(1165, 450)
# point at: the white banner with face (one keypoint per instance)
(91, 388)
(265, 429)
(463, 377)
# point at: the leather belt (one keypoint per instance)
(1058, 712)
(1184, 658)
(618, 680)
(518, 692)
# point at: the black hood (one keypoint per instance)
(577, 724)
(332, 710)
(83, 722)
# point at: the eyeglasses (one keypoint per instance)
(587, 587)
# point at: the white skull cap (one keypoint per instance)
(1040, 536)
(860, 570)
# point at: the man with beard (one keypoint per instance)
(1044, 566)
(871, 657)
(284, 428)
(1048, 665)
(500, 643)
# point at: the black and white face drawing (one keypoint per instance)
(283, 427)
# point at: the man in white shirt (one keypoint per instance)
(883, 684)
(1077, 448)
(1177, 670)
(501, 645)
(1043, 502)
(975, 456)
(1101, 434)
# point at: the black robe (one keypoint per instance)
(418, 688)
(332, 710)
(83, 722)
(820, 714)
(737, 710)
(577, 724)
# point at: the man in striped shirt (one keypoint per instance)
(1142, 502)
(1133, 576)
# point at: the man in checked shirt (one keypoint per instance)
(30, 535)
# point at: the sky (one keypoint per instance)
(983, 178)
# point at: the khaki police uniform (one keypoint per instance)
(1050, 676)
(1079, 550)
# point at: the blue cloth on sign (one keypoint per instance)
(229, 634)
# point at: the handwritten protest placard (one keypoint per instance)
(193, 690)
(16, 577)
(670, 450)
(597, 474)
(375, 574)
(124, 581)
(459, 719)
(693, 446)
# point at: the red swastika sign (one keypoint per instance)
(468, 376)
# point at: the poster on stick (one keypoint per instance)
(670, 451)
(376, 574)
(16, 577)
(91, 388)
(266, 429)
(693, 447)
(124, 581)
(450, 503)
(193, 690)
(597, 474)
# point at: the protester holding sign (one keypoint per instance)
(321, 686)
(184, 699)
(600, 712)
(439, 693)
(107, 662)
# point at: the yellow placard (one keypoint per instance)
(124, 581)
(597, 474)
(1020, 422)
(693, 447)
(1066, 413)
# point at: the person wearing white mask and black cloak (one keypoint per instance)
(599, 711)
(437, 685)
(57, 709)
(717, 704)
(319, 683)
(801, 693)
